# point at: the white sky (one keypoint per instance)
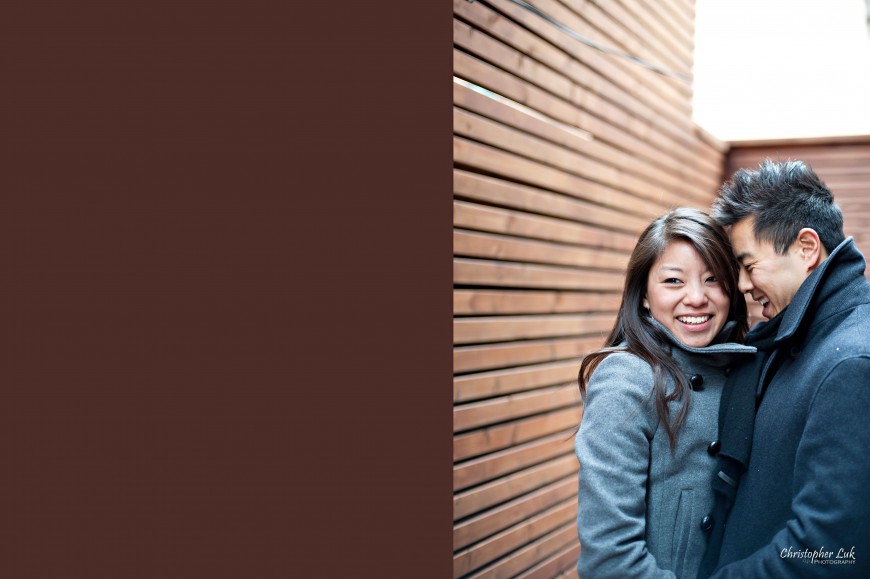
(767, 69)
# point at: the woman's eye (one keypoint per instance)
(672, 280)
(712, 279)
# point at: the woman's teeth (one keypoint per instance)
(693, 319)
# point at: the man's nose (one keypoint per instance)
(744, 283)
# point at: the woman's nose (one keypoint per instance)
(695, 295)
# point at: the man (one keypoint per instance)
(794, 426)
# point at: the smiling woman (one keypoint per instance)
(684, 295)
(652, 400)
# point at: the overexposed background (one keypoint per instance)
(769, 69)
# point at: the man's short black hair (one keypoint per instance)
(783, 198)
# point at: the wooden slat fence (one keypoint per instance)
(562, 155)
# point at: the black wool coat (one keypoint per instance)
(796, 480)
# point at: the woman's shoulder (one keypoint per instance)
(623, 358)
(619, 387)
(624, 370)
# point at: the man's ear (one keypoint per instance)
(810, 249)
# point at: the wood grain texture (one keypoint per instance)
(562, 156)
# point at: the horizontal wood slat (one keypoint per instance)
(612, 71)
(481, 129)
(480, 470)
(494, 273)
(488, 158)
(540, 525)
(670, 24)
(559, 542)
(477, 414)
(479, 442)
(672, 97)
(488, 384)
(495, 220)
(481, 73)
(502, 247)
(501, 490)
(483, 302)
(532, 200)
(504, 328)
(491, 356)
(502, 517)
(558, 45)
(639, 38)
(602, 70)
(679, 13)
(554, 82)
(550, 193)
(844, 155)
(558, 133)
(557, 51)
(833, 172)
(624, 32)
(555, 563)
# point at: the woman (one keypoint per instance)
(652, 401)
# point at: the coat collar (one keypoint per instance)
(842, 267)
(719, 345)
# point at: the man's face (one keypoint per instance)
(770, 278)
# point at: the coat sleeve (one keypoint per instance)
(829, 498)
(613, 447)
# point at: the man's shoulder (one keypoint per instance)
(856, 321)
(848, 333)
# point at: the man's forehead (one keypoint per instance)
(746, 246)
(741, 233)
(743, 255)
(743, 240)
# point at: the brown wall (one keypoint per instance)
(547, 207)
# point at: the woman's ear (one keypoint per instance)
(645, 302)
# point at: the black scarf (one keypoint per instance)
(745, 386)
(742, 392)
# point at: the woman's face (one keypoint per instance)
(684, 296)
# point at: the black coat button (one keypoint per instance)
(707, 523)
(794, 351)
(713, 449)
(697, 382)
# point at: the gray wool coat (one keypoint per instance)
(640, 506)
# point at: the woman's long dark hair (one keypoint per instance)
(633, 323)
